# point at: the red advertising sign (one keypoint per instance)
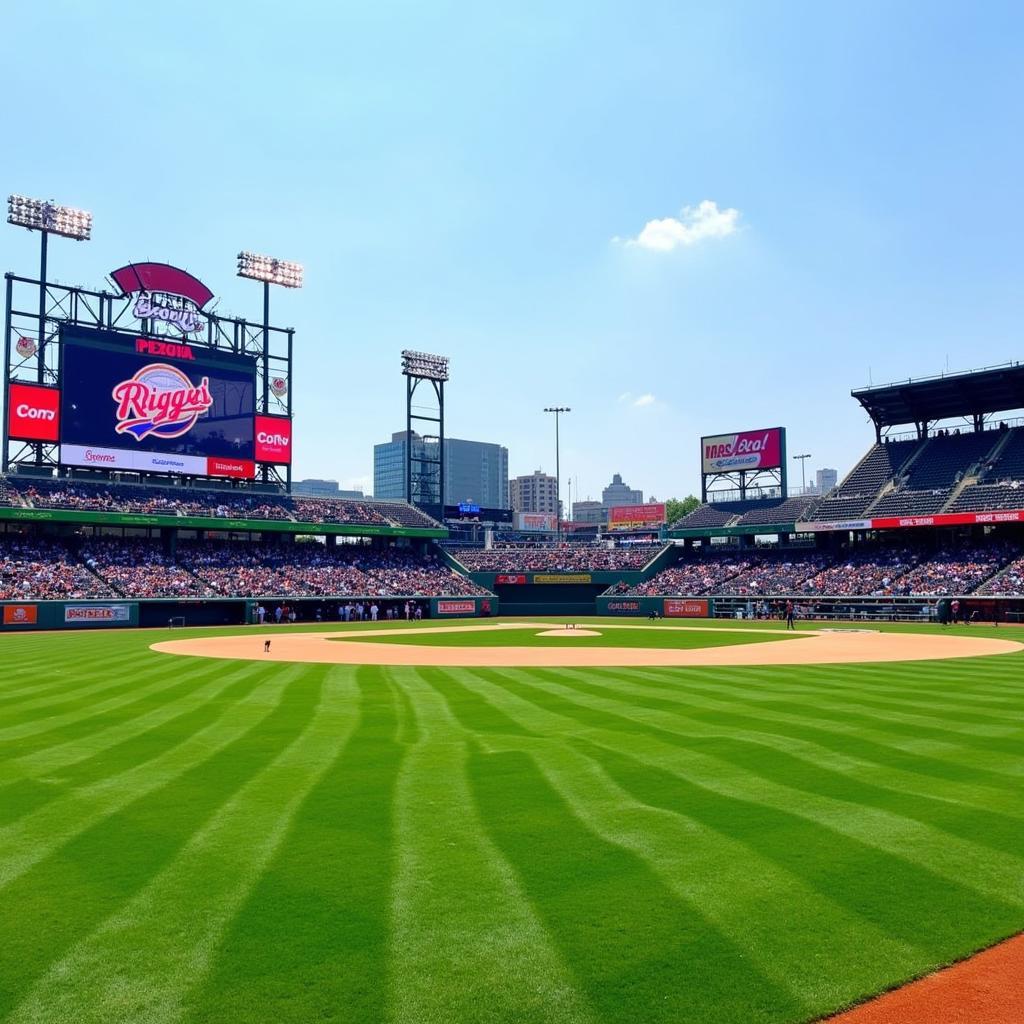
(456, 607)
(749, 450)
(678, 608)
(1005, 515)
(633, 517)
(274, 439)
(517, 578)
(244, 469)
(19, 614)
(33, 412)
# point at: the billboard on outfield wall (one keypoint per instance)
(680, 608)
(636, 517)
(536, 522)
(749, 450)
(19, 615)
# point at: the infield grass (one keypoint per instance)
(194, 840)
(664, 638)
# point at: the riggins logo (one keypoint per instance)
(160, 400)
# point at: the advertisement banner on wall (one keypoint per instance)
(678, 608)
(518, 578)
(562, 577)
(636, 517)
(274, 440)
(19, 614)
(536, 522)
(631, 607)
(751, 450)
(456, 607)
(85, 613)
(33, 412)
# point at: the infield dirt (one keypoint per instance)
(812, 647)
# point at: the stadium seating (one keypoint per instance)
(875, 571)
(35, 569)
(94, 496)
(556, 558)
(869, 476)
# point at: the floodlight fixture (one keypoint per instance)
(424, 365)
(46, 215)
(270, 270)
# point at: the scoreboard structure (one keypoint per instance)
(144, 379)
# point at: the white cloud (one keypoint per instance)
(694, 224)
(643, 401)
(624, 397)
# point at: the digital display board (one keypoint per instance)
(747, 450)
(636, 517)
(154, 405)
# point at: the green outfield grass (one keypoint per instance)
(193, 840)
(673, 637)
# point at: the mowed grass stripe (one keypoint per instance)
(53, 772)
(110, 675)
(721, 878)
(991, 766)
(123, 831)
(141, 962)
(458, 911)
(39, 730)
(999, 875)
(312, 939)
(638, 952)
(914, 905)
(33, 837)
(803, 744)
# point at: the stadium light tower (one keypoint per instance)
(558, 410)
(48, 218)
(268, 270)
(418, 367)
(803, 477)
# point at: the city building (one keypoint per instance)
(589, 512)
(826, 480)
(475, 471)
(322, 489)
(618, 493)
(537, 492)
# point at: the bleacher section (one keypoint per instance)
(940, 464)
(96, 496)
(850, 499)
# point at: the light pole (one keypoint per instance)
(558, 410)
(48, 218)
(268, 270)
(803, 478)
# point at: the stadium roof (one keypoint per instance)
(976, 393)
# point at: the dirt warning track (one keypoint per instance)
(811, 647)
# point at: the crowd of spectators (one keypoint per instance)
(140, 568)
(873, 571)
(98, 496)
(1009, 583)
(685, 579)
(878, 572)
(784, 573)
(297, 570)
(955, 570)
(36, 569)
(557, 558)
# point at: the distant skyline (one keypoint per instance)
(676, 220)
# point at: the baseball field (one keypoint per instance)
(688, 823)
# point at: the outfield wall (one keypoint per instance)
(21, 616)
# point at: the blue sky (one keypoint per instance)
(467, 179)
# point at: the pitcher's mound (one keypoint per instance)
(569, 632)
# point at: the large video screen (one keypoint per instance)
(746, 450)
(156, 405)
